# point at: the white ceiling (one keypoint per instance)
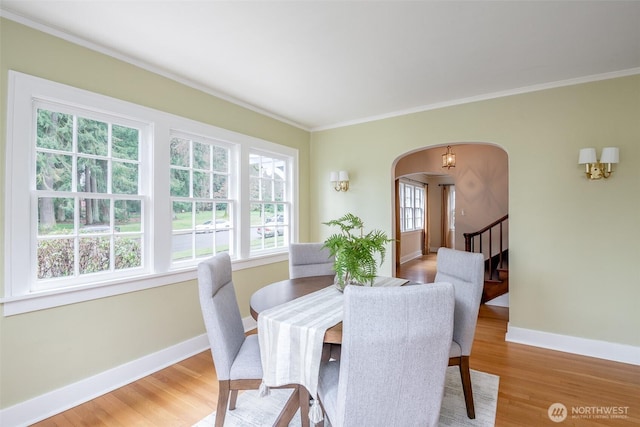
(329, 63)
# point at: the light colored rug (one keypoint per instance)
(254, 411)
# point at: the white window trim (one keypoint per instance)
(22, 89)
(402, 206)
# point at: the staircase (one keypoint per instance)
(490, 241)
(496, 278)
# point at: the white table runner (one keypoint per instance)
(291, 337)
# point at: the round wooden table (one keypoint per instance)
(287, 290)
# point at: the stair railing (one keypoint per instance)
(470, 240)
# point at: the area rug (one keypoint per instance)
(254, 411)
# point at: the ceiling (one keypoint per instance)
(322, 64)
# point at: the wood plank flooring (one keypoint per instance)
(531, 379)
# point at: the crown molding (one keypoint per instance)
(485, 97)
(143, 65)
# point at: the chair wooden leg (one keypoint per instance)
(223, 397)
(304, 406)
(465, 376)
(289, 410)
(232, 399)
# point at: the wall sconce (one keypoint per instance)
(449, 159)
(598, 169)
(340, 180)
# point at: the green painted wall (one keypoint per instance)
(574, 257)
(46, 350)
(573, 243)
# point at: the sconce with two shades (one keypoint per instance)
(340, 180)
(595, 169)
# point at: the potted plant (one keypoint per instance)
(355, 252)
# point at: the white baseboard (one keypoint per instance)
(501, 301)
(249, 323)
(586, 347)
(56, 401)
(411, 256)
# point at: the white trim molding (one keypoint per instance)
(411, 256)
(249, 323)
(615, 352)
(56, 401)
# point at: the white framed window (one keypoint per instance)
(104, 197)
(202, 197)
(88, 200)
(270, 205)
(412, 201)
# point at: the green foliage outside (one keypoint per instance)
(56, 257)
(55, 162)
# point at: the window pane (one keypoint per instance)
(267, 190)
(220, 159)
(53, 172)
(95, 216)
(281, 213)
(254, 189)
(128, 252)
(55, 216)
(220, 186)
(201, 156)
(94, 254)
(266, 167)
(204, 244)
(201, 184)
(254, 165)
(125, 142)
(55, 258)
(128, 214)
(181, 248)
(179, 152)
(204, 218)
(182, 216)
(125, 178)
(408, 196)
(92, 137)
(54, 130)
(179, 183)
(92, 175)
(279, 194)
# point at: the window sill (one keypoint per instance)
(56, 298)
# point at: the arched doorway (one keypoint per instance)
(481, 179)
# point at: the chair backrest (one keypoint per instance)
(395, 352)
(466, 271)
(309, 259)
(220, 312)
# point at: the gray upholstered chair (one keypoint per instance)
(395, 348)
(236, 357)
(466, 271)
(309, 259)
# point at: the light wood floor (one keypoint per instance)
(531, 379)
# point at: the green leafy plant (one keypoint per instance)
(355, 252)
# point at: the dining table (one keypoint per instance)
(287, 290)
